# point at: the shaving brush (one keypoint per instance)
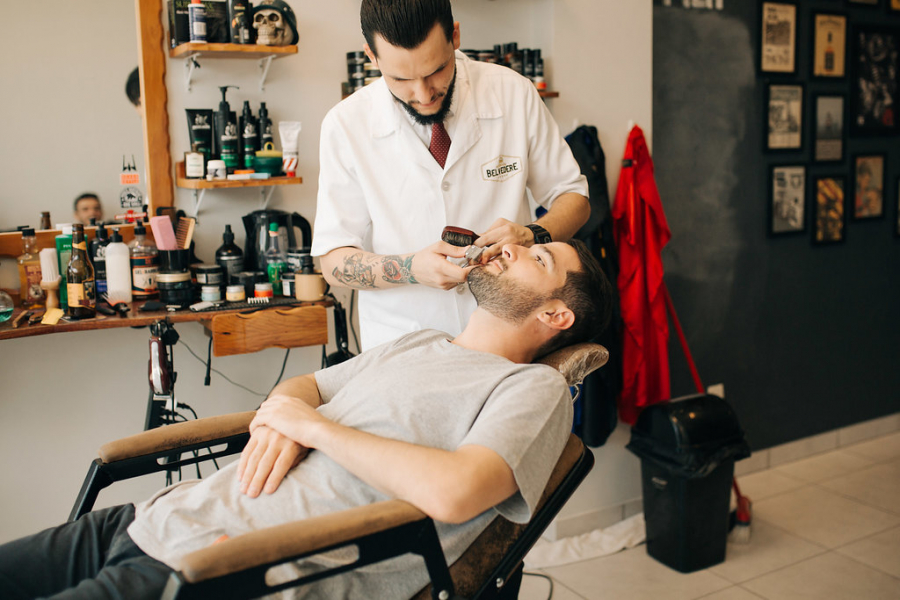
(50, 278)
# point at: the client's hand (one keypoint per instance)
(266, 459)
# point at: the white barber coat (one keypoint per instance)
(381, 190)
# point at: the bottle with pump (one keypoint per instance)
(249, 129)
(226, 134)
(144, 265)
(118, 269)
(265, 126)
(63, 253)
(275, 259)
(230, 257)
(80, 278)
(97, 254)
(30, 292)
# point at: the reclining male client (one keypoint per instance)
(461, 428)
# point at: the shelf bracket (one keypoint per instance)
(265, 194)
(198, 200)
(190, 63)
(264, 64)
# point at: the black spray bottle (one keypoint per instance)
(230, 257)
(97, 254)
(226, 135)
(249, 136)
(265, 126)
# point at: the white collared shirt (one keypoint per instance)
(381, 190)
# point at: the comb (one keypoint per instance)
(184, 232)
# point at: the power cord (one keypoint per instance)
(222, 375)
(547, 577)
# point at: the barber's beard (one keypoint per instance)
(504, 298)
(437, 117)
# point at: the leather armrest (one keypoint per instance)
(283, 542)
(172, 437)
(575, 362)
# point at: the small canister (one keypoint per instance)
(216, 169)
(248, 279)
(210, 293)
(263, 290)
(235, 293)
(287, 283)
(175, 289)
(209, 275)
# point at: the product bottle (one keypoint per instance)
(63, 253)
(230, 257)
(249, 135)
(45, 220)
(226, 131)
(265, 126)
(194, 165)
(239, 15)
(197, 20)
(97, 253)
(118, 269)
(275, 259)
(144, 265)
(31, 294)
(80, 278)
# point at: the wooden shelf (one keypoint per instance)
(229, 50)
(203, 184)
(548, 94)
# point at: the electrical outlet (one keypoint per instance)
(717, 389)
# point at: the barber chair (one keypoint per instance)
(236, 568)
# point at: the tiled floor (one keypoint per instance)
(825, 527)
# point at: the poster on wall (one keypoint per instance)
(829, 131)
(778, 39)
(787, 203)
(874, 82)
(829, 45)
(868, 200)
(829, 217)
(785, 117)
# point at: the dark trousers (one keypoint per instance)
(91, 558)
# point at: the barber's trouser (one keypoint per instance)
(90, 559)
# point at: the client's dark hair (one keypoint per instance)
(404, 23)
(133, 87)
(588, 294)
(84, 196)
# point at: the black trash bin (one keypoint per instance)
(687, 447)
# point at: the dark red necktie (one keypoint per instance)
(440, 143)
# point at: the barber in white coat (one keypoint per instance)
(384, 198)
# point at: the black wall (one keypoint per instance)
(805, 338)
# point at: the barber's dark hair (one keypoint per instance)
(133, 87)
(404, 23)
(84, 196)
(588, 294)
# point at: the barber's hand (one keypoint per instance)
(503, 232)
(266, 459)
(430, 266)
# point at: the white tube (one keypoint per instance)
(290, 146)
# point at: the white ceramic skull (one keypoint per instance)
(271, 30)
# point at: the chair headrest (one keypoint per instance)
(575, 362)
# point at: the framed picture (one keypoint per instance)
(787, 200)
(874, 64)
(868, 186)
(829, 216)
(778, 38)
(829, 45)
(828, 145)
(785, 117)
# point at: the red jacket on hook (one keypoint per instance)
(641, 231)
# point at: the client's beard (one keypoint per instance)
(504, 298)
(437, 117)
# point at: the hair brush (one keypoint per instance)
(458, 236)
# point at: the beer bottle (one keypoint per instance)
(80, 278)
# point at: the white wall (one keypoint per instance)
(64, 395)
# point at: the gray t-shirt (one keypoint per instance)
(421, 389)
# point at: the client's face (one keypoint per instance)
(517, 282)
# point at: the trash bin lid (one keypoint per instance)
(691, 435)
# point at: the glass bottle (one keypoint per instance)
(144, 265)
(31, 294)
(275, 259)
(230, 257)
(6, 306)
(80, 278)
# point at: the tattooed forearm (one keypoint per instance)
(359, 270)
(397, 269)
